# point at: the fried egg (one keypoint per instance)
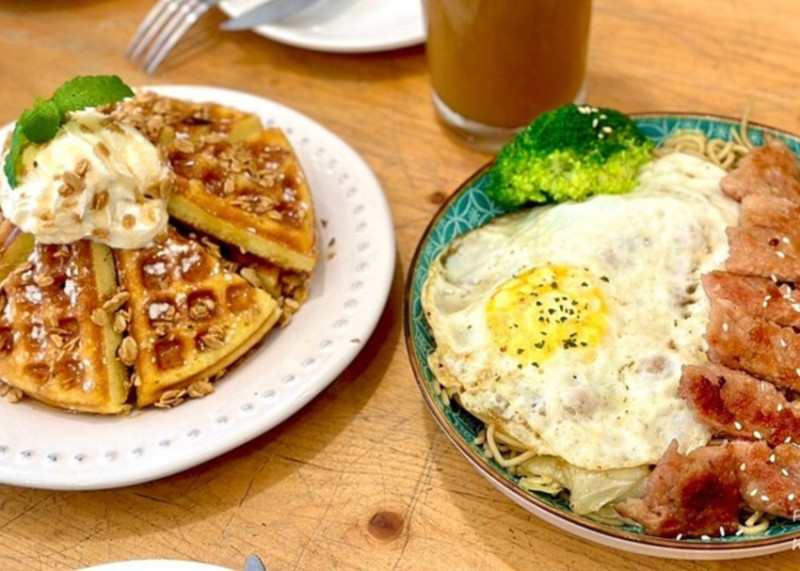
(566, 326)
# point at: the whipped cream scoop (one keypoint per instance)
(97, 179)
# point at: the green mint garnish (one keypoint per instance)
(89, 91)
(41, 122)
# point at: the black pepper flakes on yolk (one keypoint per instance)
(545, 310)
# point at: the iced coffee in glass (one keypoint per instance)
(497, 64)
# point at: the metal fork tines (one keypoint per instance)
(163, 27)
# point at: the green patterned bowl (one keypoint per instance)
(468, 208)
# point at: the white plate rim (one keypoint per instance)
(154, 565)
(42, 447)
(301, 30)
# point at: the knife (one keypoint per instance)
(271, 11)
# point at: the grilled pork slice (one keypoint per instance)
(771, 169)
(734, 404)
(755, 295)
(768, 211)
(769, 478)
(57, 343)
(766, 252)
(191, 318)
(739, 340)
(693, 495)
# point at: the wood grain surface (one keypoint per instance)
(362, 477)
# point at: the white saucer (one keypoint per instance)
(344, 26)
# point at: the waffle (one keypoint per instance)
(190, 318)
(57, 343)
(91, 329)
(236, 181)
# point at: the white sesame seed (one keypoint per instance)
(774, 278)
(607, 129)
(791, 497)
(779, 407)
(737, 425)
(781, 255)
(739, 532)
(742, 466)
(785, 239)
(721, 531)
(785, 472)
(601, 136)
(771, 458)
(764, 498)
(725, 327)
(679, 536)
(788, 440)
(595, 122)
(796, 307)
(797, 371)
(783, 343)
(756, 435)
(602, 115)
(705, 537)
(753, 492)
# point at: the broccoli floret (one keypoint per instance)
(569, 153)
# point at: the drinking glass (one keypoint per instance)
(497, 64)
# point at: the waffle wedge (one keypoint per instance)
(235, 180)
(57, 344)
(190, 318)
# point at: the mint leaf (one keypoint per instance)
(41, 123)
(90, 91)
(13, 162)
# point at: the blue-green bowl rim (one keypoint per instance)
(488, 469)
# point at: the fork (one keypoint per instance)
(163, 27)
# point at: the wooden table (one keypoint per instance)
(362, 478)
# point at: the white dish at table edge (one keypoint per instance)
(344, 26)
(155, 565)
(44, 447)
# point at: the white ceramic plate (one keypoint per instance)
(344, 26)
(47, 448)
(155, 565)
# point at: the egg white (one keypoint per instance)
(613, 403)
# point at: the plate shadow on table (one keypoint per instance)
(226, 482)
(399, 63)
(500, 527)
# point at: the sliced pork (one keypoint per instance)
(739, 340)
(771, 169)
(768, 211)
(734, 404)
(769, 478)
(692, 495)
(756, 296)
(766, 252)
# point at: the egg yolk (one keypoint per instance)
(545, 310)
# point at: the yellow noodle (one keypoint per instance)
(756, 524)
